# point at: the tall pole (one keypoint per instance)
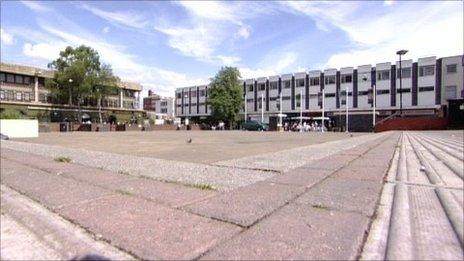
(323, 109)
(280, 113)
(262, 107)
(401, 89)
(374, 94)
(301, 107)
(246, 105)
(346, 105)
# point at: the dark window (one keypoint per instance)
(2, 77)
(362, 93)
(329, 95)
(298, 100)
(42, 81)
(179, 95)
(300, 83)
(426, 89)
(347, 78)
(262, 86)
(202, 93)
(427, 70)
(330, 79)
(380, 92)
(19, 79)
(404, 90)
(250, 88)
(285, 98)
(314, 81)
(383, 75)
(10, 78)
(364, 77)
(451, 68)
(193, 93)
(287, 84)
(27, 80)
(406, 73)
(273, 85)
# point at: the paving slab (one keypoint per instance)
(361, 173)
(306, 177)
(298, 232)
(332, 162)
(50, 190)
(245, 206)
(148, 230)
(174, 195)
(343, 195)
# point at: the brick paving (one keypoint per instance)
(314, 211)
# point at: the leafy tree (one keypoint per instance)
(79, 75)
(225, 96)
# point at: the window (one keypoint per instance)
(450, 92)
(364, 77)
(330, 79)
(262, 86)
(164, 110)
(300, 83)
(19, 79)
(285, 98)
(329, 95)
(193, 93)
(383, 75)
(41, 81)
(27, 80)
(273, 85)
(313, 81)
(2, 95)
(404, 90)
(298, 100)
(406, 73)
(179, 95)
(19, 96)
(202, 93)
(426, 70)
(287, 84)
(10, 78)
(362, 93)
(380, 92)
(347, 78)
(260, 103)
(451, 68)
(426, 89)
(27, 96)
(250, 88)
(2, 77)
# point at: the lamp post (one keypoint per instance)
(69, 91)
(399, 53)
(346, 106)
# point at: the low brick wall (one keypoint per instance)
(413, 123)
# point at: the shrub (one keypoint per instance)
(11, 114)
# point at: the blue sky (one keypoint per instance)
(165, 45)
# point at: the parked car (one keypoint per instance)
(255, 126)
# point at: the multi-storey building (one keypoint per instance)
(429, 86)
(24, 87)
(163, 107)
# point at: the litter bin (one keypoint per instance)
(64, 127)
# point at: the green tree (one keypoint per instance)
(78, 73)
(225, 96)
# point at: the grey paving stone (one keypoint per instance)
(332, 162)
(244, 206)
(52, 191)
(301, 177)
(344, 195)
(166, 193)
(149, 230)
(379, 161)
(297, 232)
(361, 173)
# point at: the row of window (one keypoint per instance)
(20, 79)
(10, 95)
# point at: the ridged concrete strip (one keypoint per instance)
(455, 152)
(447, 142)
(286, 160)
(454, 164)
(400, 242)
(454, 212)
(436, 170)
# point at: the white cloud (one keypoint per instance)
(287, 62)
(106, 29)
(130, 19)
(425, 28)
(388, 2)
(6, 38)
(43, 50)
(35, 6)
(244, 32)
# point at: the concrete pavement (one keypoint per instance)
(342, 206)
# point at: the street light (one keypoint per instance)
(401, 52)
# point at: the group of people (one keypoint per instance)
(304, 127)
